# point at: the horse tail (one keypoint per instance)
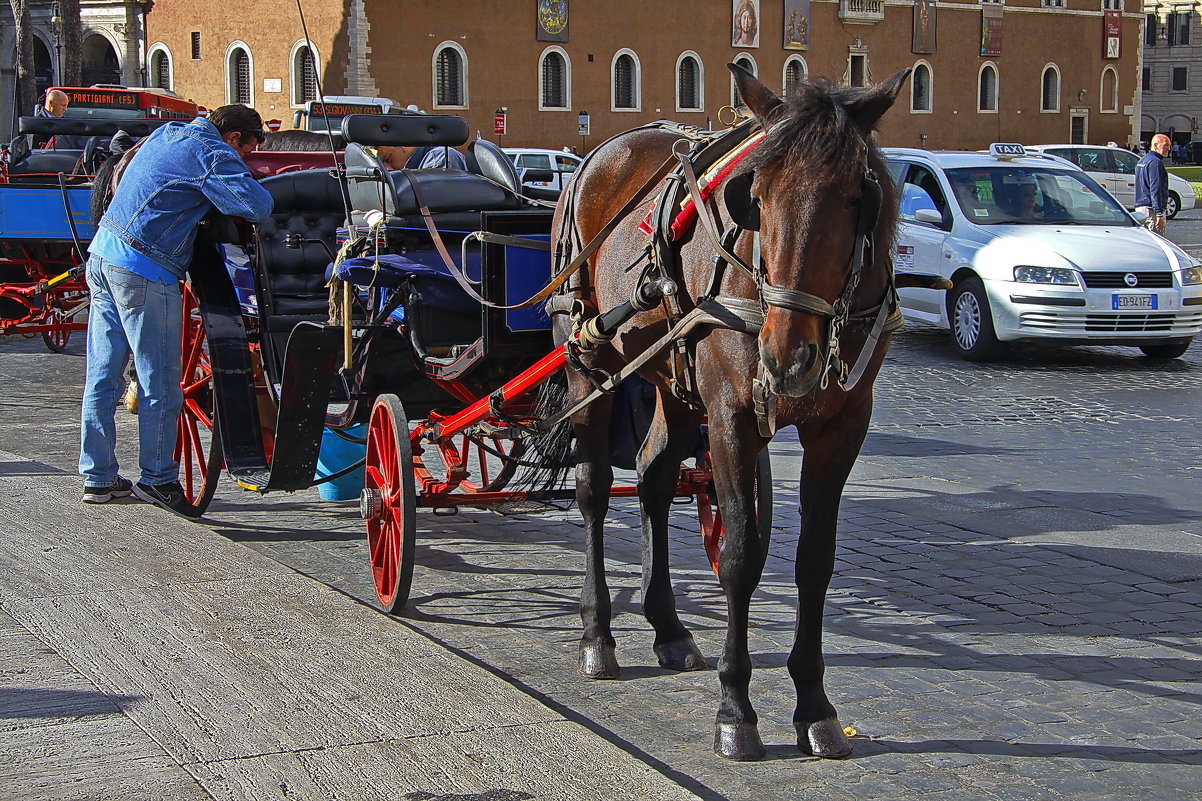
(551, 453)
(102, 189)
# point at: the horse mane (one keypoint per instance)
(297, 140)
(812, 127)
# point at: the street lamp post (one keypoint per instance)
(56, 24)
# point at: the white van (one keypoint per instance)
(1114, 168)
(560, 162)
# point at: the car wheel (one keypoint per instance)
(1166, 350)
(1173, 205)
(972, 322)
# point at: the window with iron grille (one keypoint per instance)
(625, 83)
(555, 69)
(1112, 5)
(196, 44)
(920, 98)
(987, 89)
(160, 70)
(747, 64)
(795, 74)
(449, 78)
(239, 76)
(688, 84)
(304, 76)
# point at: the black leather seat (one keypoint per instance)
(308, 203)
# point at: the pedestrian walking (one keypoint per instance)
(1152, 184)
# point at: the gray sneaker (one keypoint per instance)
(121, 488)
(168, 496)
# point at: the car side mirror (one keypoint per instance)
(932, 216)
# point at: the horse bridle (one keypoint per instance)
(839, 312)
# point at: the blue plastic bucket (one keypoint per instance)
(338, 454)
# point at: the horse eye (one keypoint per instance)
(855, 201)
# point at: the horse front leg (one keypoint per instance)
(594, 480)
(828, 461)
(666, 445)
(734, 450)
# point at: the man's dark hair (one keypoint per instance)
(236, 117)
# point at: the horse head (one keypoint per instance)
(817, 186)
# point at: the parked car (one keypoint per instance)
(560, 162)
(1114, 168)
(1035, 249)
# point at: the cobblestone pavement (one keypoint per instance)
(1015, 612)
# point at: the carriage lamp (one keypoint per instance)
(1028, 274)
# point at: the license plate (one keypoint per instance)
(1133, 302)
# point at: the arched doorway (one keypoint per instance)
(44, 72)
(100, 63)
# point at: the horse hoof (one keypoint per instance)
(823, 739)
(682, 654)
(598, 661)
(738, 741)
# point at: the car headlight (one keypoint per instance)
(1191, 276)
(1027, 274)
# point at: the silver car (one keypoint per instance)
(1035, 249)
(1114, 168)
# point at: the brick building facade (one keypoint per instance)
(1047, 77)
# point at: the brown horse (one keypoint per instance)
(815, 276)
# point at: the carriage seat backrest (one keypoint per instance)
(309, 203)
(368, 184)
(448, 190)
(46, 161)
(485, 158)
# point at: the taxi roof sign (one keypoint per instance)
(1007, 150)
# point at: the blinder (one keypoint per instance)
(744, 209)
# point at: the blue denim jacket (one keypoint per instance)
(177, 176)
(1152, 182)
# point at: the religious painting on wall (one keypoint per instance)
(991, 30)
(924, 27)
(552, 21)
(797, 25)
(745, 23)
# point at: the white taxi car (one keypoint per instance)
(1035, 249)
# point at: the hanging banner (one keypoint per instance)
(797, 25)
(991, 30)
(924, 27)
(1112, 34)
(745, 23)
(551, 24)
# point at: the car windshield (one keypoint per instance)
(1009, 194)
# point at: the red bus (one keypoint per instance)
(111, 102)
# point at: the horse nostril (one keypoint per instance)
(811, 355)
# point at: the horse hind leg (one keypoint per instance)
(663, 450)
(594, 478)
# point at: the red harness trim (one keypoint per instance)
(687, 216)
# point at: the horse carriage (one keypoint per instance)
(702, 291)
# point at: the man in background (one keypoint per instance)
(1152, 184)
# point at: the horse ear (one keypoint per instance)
(759, 98)
(871, 104)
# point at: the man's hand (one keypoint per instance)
(1158, 223)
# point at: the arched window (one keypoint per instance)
(796, 72)
(1050, 94)
(987, 88)
(688, 82)
(554, 85)
(1110, 90)
(160, 67)
(238, 75)
(304, 74)
(920, 88)
(450, 76)
(748, 63)
(626, 94)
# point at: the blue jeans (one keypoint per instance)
(129, 313)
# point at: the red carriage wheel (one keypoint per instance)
(710, 516)
(389, 502)
(197, 446)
